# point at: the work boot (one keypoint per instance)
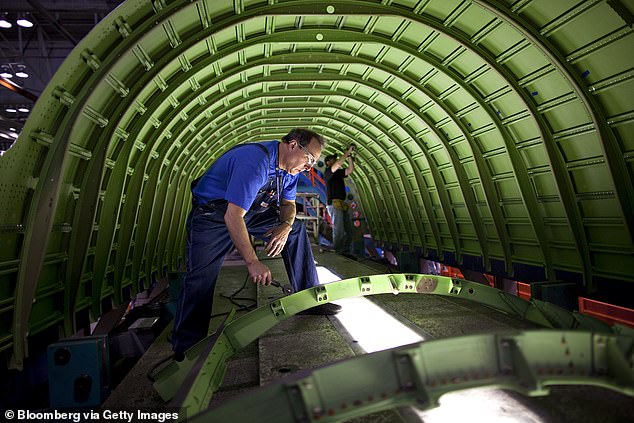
(326, 309)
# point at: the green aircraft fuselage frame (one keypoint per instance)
(238, 333)
(419, 374)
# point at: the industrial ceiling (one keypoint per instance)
(494, 134)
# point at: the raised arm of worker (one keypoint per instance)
(350, 167)
(279, 234)
(337, 165)
(234, 219)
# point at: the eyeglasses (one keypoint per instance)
(309, 156)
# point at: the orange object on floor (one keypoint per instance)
(452, 272)
(524, 290)
(609, 313)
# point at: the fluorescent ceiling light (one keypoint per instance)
(22, 74)
(13, 134)
(23, 109)
(11, 129)
(10, 110)
(3, 135)
(5, 24)
(6, 75)
(25, 23)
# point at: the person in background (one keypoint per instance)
(338, 209)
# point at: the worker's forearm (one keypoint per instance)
(350, 167)
(337, 165)
(240, 237)
(287, 212)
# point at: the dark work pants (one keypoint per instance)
(341, 229)
(208, 243)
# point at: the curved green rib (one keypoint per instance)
(419, 374)
(242, 331)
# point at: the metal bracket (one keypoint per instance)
(278, 308)
(365, 284)
(513, 361)
(394, 284)
(409, 376)
(456, 287)
(409, 283)
(296, 402)
(321, 293)
(426, 285)
(306, 400)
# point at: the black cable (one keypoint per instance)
(232, 298)
(241, 288)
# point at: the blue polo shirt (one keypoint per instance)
(238, 174)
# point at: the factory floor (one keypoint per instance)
(304, 342)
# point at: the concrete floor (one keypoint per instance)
(304, 342)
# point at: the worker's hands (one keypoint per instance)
(350, 150)
(279, 235)
(260, 273)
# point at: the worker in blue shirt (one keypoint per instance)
(250, 189)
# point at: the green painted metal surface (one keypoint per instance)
(493, 129)
(196, 382)
(419, 374)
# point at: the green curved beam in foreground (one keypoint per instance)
(235, 335)
(419, 374)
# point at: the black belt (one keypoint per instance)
(209, 204)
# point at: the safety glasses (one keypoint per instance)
(309, 156)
